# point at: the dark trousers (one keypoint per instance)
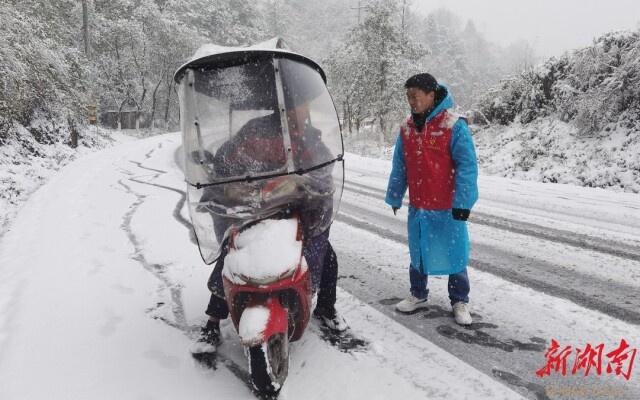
(326, 293)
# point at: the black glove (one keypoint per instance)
(460, 214)
(394, 209)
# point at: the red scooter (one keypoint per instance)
(263, 152)
(269, 304)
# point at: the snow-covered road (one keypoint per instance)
(542, 268)
(103, 291)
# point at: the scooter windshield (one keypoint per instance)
(259, 137)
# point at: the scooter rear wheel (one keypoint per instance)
(270, 364)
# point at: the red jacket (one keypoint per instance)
(430, 169)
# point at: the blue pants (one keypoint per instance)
(458, 285)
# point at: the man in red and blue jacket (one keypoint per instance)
(436, 160)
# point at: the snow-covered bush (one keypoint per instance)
(590, 87)
(575, 119)
(525, 97)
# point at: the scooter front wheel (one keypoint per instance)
(270, 364)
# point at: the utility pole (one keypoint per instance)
(91, 107)
(359, 8)
(85, 29)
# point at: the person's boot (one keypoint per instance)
(209, 338)
(331, 318)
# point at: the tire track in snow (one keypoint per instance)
(582, 289)
(479, 344)
(183, 196)
(157, 270)
(177, 211)
(177, 308)
(538, 390)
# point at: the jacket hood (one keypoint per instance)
(446, 103)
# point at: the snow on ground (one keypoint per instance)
(497, 300)
(549, 150)
(514, 313)
(103, 293)
(592, 211)
(26, 164)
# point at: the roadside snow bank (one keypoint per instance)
(25, 163)
(549, 150)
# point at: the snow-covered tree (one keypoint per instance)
(315, 27)
(368, 70)
(223, 22)
(595, 88)
(140, 43)
(41, 67)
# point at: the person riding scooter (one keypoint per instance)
(258, 146)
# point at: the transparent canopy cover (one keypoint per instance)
(260, 135)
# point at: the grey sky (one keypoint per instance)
(550, 26)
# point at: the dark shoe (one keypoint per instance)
(331, 318)
(208, 340)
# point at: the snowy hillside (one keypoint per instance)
(570, 120)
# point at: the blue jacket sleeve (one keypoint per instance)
(397, 186)
(465, 163)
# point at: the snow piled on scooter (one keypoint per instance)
(266, 250)
(210, 49)
(253, 324)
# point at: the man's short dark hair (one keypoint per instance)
(425, 82)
